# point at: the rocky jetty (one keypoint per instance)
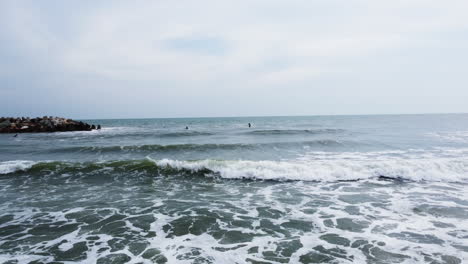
(42, 124)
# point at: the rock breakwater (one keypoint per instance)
(42, 124)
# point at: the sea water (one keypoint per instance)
(321, 189)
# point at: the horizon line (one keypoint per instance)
(257, 116)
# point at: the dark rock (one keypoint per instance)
(93, 127)
(44, 124)
(5, 124)
(99, 127)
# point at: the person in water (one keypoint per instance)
(250, 125)
(186, 127)
(15, 135)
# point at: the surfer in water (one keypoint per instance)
(186, 127)
(250, 125)
(15, 135)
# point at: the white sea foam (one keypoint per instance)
(414, 165)
(377, 233)
(398, 219)
(346, 166)
(455, 136)
(15, 165)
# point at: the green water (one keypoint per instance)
(300, 190)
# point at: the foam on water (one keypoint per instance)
(293, 222)
(287, 190)
(337, 167)
(413, 165)
(454, 136)
(15, 165)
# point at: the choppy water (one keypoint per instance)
(355, 189)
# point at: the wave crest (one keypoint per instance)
(295, 131)
(201, 147)
(7, 167)
(332, 170)
(430, 169)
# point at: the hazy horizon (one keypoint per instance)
(260, 116)
(244, 116)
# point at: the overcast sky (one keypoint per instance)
(123, 59)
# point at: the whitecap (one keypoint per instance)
(15, 165)
(342, 167)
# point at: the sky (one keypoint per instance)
(142, 59)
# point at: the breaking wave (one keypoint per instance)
(7, 167)
(423, 169)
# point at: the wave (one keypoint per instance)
(455, 136)
(124, 132)
(105, 167)
(157, 134)
(201, 147)
(332, 170)
(185, 134)
(7, 167)
(295, 131)
(423, 169)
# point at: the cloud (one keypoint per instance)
(214, 47)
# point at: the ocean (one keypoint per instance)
(316, 189)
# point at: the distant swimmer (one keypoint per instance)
(250, 125)
(15, 135)
(186, 127)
